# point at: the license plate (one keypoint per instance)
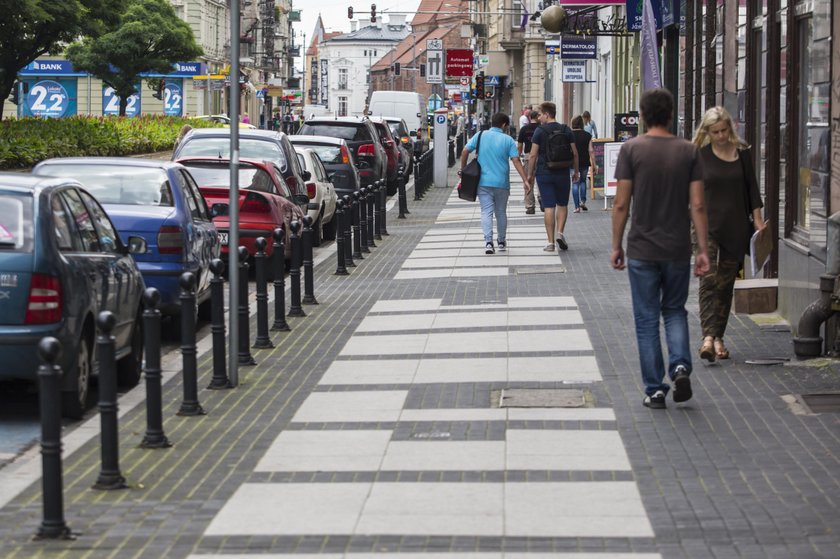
(223, 238)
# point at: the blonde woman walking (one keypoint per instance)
(733, 203)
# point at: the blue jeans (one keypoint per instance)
(493, 201)
(660, 288)
(579, 188)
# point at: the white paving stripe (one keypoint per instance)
(607, 509)
(435, 321)
(451, 273)
(498, 259)
(433, 555)
(363, 406)
(351, 451)
(427, 370)
(469, 342)
(406, 305)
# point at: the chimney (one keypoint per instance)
(397, 20)
(353, 25)
(364, 22)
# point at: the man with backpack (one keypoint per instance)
(553, 149)
(523, 142)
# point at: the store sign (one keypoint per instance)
(111, 103)
(552, 47)
(634, 13)
(626, 125)
(189, 68)
(48, 68)
(459, 62)
(574, 71)
(579, 48)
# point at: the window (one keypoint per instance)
(109, 240)
(342, 106)
(66, 235)
(81, 216)
(342, 78)
(192, 189)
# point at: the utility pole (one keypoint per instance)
(415, 67)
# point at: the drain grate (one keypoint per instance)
(542, 398)
(527, 270)
(822, 403)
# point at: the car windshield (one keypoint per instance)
(15, 222)
(219, 146)
(213, 174)
(349, 132)
(328, 154)
(395, 129)
(118, 184)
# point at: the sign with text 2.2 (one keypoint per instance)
(173, 99)
(111, 103)
(574, 70)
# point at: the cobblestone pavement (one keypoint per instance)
(387, 424)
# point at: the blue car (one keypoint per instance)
(159, 201)
(61, 263)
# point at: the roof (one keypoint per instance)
(125, 161)
(391, 33)
(26, 182)
(410, 48)
(441, 9)
(243, 133)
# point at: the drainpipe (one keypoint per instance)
(808, 342)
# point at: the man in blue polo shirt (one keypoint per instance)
(495, 153)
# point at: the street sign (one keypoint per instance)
(495, 81)
(434, 44)
(574, 71)
(459, 62)
(552, 47)
(465, 81)
(434, 66)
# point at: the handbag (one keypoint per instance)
(468, 188)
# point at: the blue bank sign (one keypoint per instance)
(48, 68)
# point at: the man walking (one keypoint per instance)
(523, 143)
(525, 117)
(663, 176)
(496, 150)
(554, 152)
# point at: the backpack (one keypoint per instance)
(558, 149)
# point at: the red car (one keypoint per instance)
(265, 201)
(391, 149)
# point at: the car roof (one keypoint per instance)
(125, 161)
(343, 119)
(21, 182)
(243, 133)
(222, 160)
(307, 139)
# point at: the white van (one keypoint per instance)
(315, 110)
(407, 105)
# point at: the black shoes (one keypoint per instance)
(655, 401)
(488, 249)
(682, 385)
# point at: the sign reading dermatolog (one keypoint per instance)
(611, 151)
(574, 70)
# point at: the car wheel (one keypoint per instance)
(130, 367)
(328, 229)
(74, 402)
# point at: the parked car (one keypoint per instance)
(260, 145)
(224, 120)
(399, 130)
(160, 202)
(321, 193)
(392, 150)
(265, 201)
(62, 262)
(337, 159)
(362, 139)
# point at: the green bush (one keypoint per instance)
(25, 142)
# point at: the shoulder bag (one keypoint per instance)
(468, 189)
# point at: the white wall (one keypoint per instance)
(356, 58)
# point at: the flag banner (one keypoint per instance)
(651, 78)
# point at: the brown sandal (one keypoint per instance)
(707, 350)
(720, 350)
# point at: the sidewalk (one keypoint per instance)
(379, 427)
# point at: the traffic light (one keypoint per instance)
(479, 85)
(15, 98)
(350, 12)
(396, 68)
(159, 93)
(373, 13)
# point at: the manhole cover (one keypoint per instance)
(822, 403)
(542, 398)
(524, 270)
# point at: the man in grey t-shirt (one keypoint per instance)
(663, 177)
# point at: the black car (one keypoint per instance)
(337, 159)
(362, 139)
(262, 145)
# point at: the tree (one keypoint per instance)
(33, 28)
(150, 38)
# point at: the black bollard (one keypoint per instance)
(383, 209)
(363, 220)
(451, 161)
(418, 178)
(357, 234)
(262, 341)
(294, 273)
(220, 379)
(154, 437)
(189, 362)
(279, 258)
(377, 211)
(370, 213)
(244, 354)
(106, 355)
(308, 266)
(401, 199)
(52, 486)
(340, 268)
(348, 237)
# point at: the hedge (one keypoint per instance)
(25, 142)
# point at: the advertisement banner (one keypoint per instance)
(51, 98)
(111, 102)
(173, 98)
(611, 151)
(626, 126)
(651, 77)
(313, 81)
(459, 62)
(325, 82)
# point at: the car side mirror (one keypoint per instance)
(219, 210)
(137, 245)
(307, 175)
(301, 199)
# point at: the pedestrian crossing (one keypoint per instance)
(402, 437)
